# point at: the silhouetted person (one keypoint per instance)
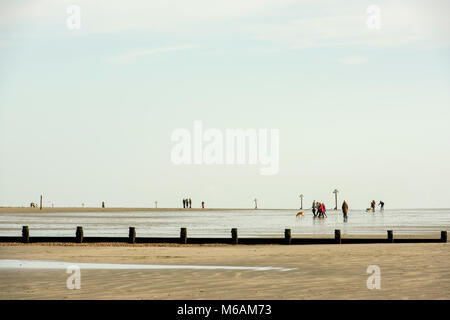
(381, 204)
(190, 203)
(184, 203)
(203, 204)
(103, 204)
(314, 208)
(372, 205)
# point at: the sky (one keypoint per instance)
(87, 115)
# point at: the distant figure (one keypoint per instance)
(184, 203)
(324, 211)
(345, 210)
(203, 204)
(33, 205)
(372, 205)
(314, 208)
(103, 204)
(381, 204)
(190, 203)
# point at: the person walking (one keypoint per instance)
(381, 204)
(314, 208)
(184, 203)
(190, 203)
(345, 210)
(203, 204)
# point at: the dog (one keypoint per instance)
(369, 209)
(300, 214)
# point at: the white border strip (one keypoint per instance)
(43, 264)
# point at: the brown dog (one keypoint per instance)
(300, 214)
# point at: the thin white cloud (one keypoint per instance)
(132, 55)
(352, 60)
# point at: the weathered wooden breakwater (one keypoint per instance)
(234, 239)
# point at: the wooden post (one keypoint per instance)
(40, 204)
(335, 201)
(25, 234)
(79, 235)
(132, 235)
(287, 236)
(337, 236)
(234, 236)
(183, 236)
(444, 236)
(390, 236)
(335, 191)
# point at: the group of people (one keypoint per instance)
(187, 203)
(373, 205)
(319, 210)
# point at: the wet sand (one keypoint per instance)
(408, 271)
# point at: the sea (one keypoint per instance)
(218, 223)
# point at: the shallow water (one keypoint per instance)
(217, 223)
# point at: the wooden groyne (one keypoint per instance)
(233, 239)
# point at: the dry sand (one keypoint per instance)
(408, 271)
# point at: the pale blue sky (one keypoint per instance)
(87, 115)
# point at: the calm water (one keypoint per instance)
(218, 223)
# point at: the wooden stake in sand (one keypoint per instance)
(234, 236)
(132, 235)
(287, 236)
(337, 236)
(390, 236)
(183, 236)
(79, 235)
(25, 234)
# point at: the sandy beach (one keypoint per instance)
(408, 271)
